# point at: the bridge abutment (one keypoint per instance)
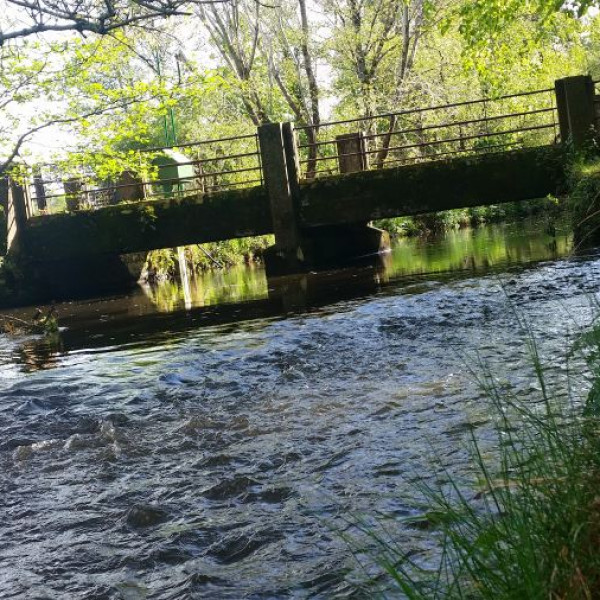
(299, 248)
(53, 278)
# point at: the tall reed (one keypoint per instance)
(530, 527)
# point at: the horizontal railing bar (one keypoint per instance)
(198, 143)
(203, 160)
(459, 123)
(459, 139)
(321, 158)
(222, 185)
(244, 170)
(415, 159)
(153, 183)
(316, 174)
(431, 157)
(425, 109)
(316, 144)
(182, 164)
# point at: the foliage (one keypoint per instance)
(584, 202)
(162, 264)
(551, 208)
(530, 526)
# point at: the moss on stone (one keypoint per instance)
(434, 186)
(149, 225)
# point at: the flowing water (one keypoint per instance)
(216, 441)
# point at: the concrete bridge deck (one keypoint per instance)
(342, 199)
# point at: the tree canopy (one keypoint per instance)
(111, 72)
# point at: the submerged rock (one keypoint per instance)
(145, 515)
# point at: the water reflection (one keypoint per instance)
(39, 354)
(478, 250)
(153, 313)
(207, 289)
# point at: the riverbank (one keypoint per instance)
(164, 264)
(584, 202)
(529, 526)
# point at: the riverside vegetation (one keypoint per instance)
(530, 526)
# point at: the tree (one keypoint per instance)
(30, 63)
(291, 51)
(24, 18)
(236, 34)
(482, 19)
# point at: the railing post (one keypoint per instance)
(280, 165)
(73, 191)
(128, 187)
(40, 190)
(16, 214)
(352, 152)
(576, 110)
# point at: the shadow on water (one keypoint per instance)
(243, 294)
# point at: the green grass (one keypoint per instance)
(528, 528)
(584, 202)
(470, 217)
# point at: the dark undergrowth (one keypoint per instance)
(585, 202)
(163, 264)
(471, 217)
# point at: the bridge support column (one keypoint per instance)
(298, 248)
(576, 110)
(281, 173)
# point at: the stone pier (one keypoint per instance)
(299, 248)
(575, 101)
(53, 277)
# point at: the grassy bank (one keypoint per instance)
(218, 255)
(529, 526)
(470, 217)
(584, 202)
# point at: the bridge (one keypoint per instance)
(316, 188)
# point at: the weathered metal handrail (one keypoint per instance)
(228, 158)
(382, 131)
(418, 142)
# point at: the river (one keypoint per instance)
(217, 441)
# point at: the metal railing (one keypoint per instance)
(432, 133)
(161, 172)
(404, 137)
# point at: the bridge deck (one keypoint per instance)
(357, 197)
